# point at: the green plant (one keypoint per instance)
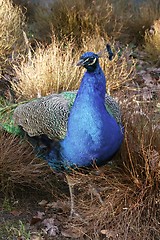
(6, 206)
(19, 231)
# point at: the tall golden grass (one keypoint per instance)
(53, 68)
(12, 23)
(49, 69)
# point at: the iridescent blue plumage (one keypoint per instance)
(93, 135)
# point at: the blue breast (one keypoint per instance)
(93, 135)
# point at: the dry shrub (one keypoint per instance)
(127, 20)
(152, 42)
(83, 18)
(20, 168)
(122, 201)
(11, 36)
(135, 17)
(53, 68)
(124, 19)
(50, 69)
(74, 19)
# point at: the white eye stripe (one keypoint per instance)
(94, 60)
(87, 59)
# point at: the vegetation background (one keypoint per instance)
(39, 46)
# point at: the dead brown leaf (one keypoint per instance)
(73, 232)
(43, 203)
(37, 218)
(16, 213)
(109, 233)
(49, 227)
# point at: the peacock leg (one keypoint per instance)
(71, 191)
(73, 213)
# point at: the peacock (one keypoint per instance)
(73, 129)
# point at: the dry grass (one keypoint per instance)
(49, 69)
(120, 70)
(122, 67)
(122, 19)
(75, 19)
(20, 168)
(53, 68)
(12, 23)
(152, 42)
(137, 18)
(120, 200)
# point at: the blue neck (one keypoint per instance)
(87, 125)
(93, 85)
(92, 133)
(91, 92)
(89, 103)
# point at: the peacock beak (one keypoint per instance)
(80, 62)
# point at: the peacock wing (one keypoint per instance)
(113, 108)
(47, 115)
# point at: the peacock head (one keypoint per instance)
(89, 60)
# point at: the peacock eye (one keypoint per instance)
(91, 61)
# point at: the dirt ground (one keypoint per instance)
(35, 215)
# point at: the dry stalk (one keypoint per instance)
(12, 23)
